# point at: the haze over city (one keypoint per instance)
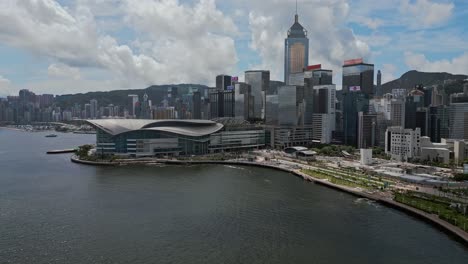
(78, 46)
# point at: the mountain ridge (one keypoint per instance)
(412, 78)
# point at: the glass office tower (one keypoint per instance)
(296, 50)
(287, 105)
(259, 82)
(223, 82)
(358, 87)
(358, 76)
(271, 117)
(242, 100)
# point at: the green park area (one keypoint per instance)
(450, 211)
(349, 178)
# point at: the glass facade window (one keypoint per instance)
(272, 109)
(242, 100)
(259, 82)
(287, 106)
(360, 75)
(232, 140)
(296, 50)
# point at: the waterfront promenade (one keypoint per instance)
(296, 169)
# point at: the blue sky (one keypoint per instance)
(73, 46)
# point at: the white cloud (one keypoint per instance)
(6, 87)
(388, 72)
(188, 43)
(330, 41)
(458, 65)
(425, 13)
(191, 43)
(62, 71)
(372, 23)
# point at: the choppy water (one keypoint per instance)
(54, 211)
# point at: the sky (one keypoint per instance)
(77, 46)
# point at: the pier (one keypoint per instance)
(61, 151)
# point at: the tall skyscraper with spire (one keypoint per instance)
(296, 49)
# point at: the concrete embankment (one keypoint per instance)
(456, 232)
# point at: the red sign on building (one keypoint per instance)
(353, 61)
(314, 67)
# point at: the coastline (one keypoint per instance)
(12, 129)
(450, 229)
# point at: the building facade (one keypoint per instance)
(148, 138)
(458, 116)
(367, 130)
(296, 50)
(358, 86)
(259, 82)
(403, 144)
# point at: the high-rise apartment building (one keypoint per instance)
(93, 109)
(131, 105)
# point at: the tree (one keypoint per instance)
(82, 151)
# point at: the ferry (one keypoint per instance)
(51, 135)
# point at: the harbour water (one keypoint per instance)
(55, 211)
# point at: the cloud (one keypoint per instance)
(458, 65)
(6, 87)
(388, 72)
(330, 41)
(425, 13)
(372, 23)
(187, 43)
(59, 70)
(191, 43)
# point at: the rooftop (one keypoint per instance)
(191, 127)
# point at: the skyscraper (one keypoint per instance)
(296, 50)
(222, 97)
(242, 101)
(94, 109)
(259, 82)
(358, 86)
(358, 76)
(223, 82)
(379, 91)
(415, 112)
(367, 130)
(197, 105)
(324, 112)
(132, 101)
(287, 105)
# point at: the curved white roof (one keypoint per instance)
(194, 128)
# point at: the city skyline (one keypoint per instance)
(80, 46)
